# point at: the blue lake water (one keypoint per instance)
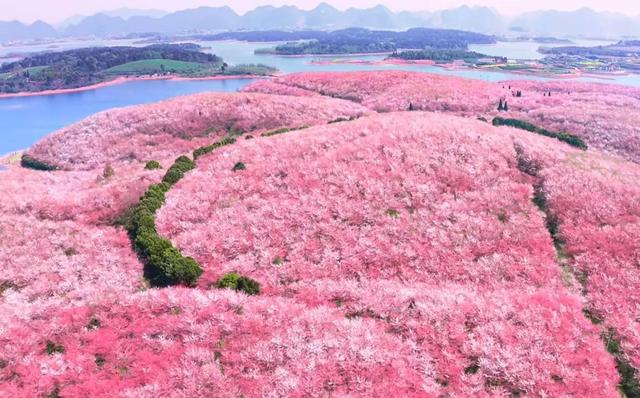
(24, 120)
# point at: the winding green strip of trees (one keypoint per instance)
(164, 264)
(520, 124)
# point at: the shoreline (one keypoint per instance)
(125, 79)
(345, 55)
(453, 66)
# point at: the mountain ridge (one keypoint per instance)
(581, 22)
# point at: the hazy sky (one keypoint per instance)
(55, 11)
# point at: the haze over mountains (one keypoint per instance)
(583, 22)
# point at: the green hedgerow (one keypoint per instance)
(209, 148)
(521, 124)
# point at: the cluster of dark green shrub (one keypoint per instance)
(152, 165)
(239, 166)
(30, 162)
(239, 283)
(520, 124)
(360, 40)
(86, 66)
(53, 348)
(164, 264)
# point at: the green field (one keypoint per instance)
(33, 71)
(150, 66)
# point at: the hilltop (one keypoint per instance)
(318, 238)
(601, 114)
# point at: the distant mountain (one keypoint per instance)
(210, 19)
(375, 17)
(269, 17)
(186, 21)
(478, 19)
(583, 22)
(324, 15)
(15, 30)
(126, 13)
(98, 25)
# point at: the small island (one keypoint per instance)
(443, 56)
(364, 41)
(88, 67)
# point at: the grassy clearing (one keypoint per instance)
(33, 71)
(36, 70)
(150, 66)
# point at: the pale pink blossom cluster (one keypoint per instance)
(402, 196)
(398, 254)
(419, 341)
(170, 128)
(393, 90)
(419, 222)
(85, 196)
(597, 200)
(270, 86)
(602, 114)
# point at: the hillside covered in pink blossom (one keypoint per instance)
(606, 116)
(418, 254)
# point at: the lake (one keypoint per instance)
(24, 120)
(528, 49)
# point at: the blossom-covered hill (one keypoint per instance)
(398, 254)
(604, 115)
(170, 128)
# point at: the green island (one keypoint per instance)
(365, 41)
(620, 58)
(84, 67)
